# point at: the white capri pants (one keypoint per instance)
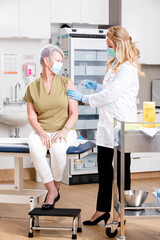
(57, 153)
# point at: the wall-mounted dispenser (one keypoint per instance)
(28, 72)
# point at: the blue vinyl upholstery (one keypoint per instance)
(24, 148)
(81, 148)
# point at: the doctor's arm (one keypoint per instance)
(114, 89)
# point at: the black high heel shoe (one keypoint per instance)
(50, 206)
(104, 217)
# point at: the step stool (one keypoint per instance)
(55, 212)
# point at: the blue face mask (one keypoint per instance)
(111, 52)
(56, 68)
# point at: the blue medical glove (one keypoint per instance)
(90, 84)
(74, 94)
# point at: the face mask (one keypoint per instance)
(56, 68)
(111, 52)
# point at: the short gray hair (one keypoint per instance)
(48, 51)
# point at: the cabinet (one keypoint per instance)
(63, 11)
(35, 18)
(25, 18)
(95, 11)
(85, 58)
(145, 162)
(143, 26)
(80, 11)
(9, 18)
(89, 62)
(141, 162)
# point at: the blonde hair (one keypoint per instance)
(126, 49)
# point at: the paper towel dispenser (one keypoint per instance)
(156, 92)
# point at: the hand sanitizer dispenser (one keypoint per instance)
(29, 71)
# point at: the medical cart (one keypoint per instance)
(130, 141)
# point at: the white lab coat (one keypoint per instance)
(117, 99)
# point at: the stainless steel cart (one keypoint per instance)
(130, 142)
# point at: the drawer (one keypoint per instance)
(141, 162)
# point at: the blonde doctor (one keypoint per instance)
(116, 97)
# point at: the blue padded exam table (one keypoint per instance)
(18, 149)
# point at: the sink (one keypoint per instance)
(14, 116)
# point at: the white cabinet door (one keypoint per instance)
(141, 162)
(80, 11)
(155, 162)
(141, 18)
(65, 11)
(9, 18)
(95, 11)
(35, 18)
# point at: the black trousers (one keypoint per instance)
(105, 173)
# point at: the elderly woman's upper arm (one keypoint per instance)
(31, 111)
(73, 104)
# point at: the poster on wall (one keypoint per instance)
(10, 63)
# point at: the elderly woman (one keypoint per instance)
(52, 116)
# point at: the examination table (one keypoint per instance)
(14, 193)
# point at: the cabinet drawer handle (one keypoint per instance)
(141, 157)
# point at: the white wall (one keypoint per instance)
(8, 81)
(21, 47)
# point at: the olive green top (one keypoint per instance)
(51, 108)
